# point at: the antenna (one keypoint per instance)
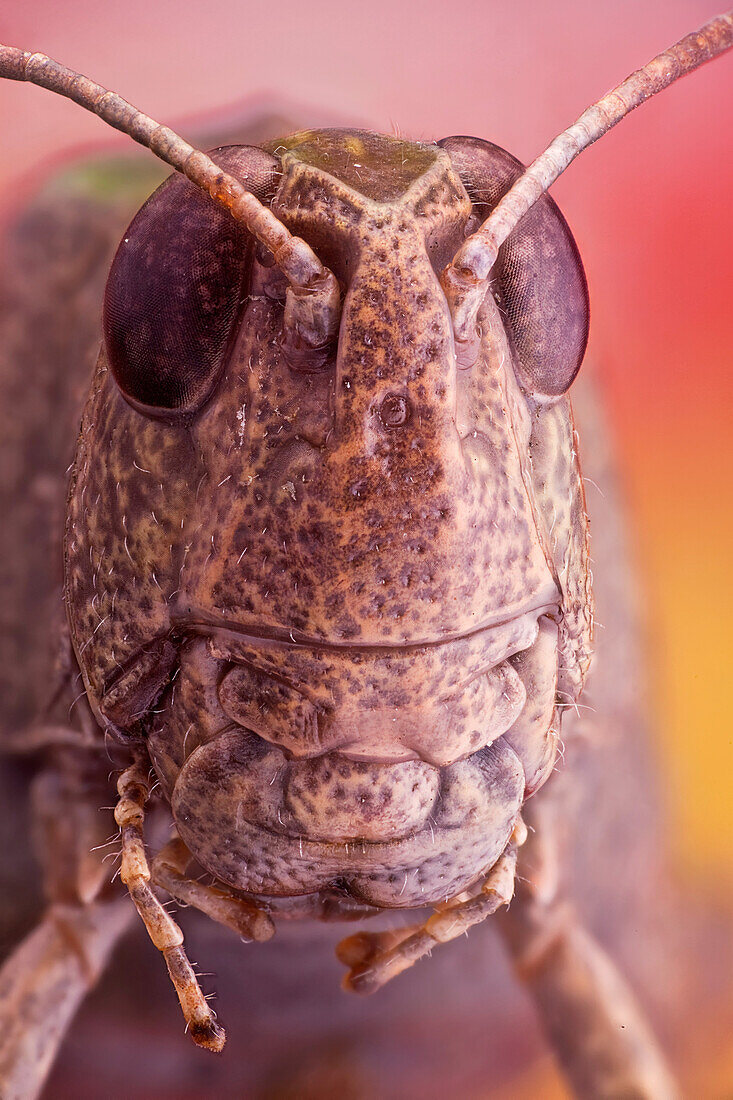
(313, 301)
(466, 279)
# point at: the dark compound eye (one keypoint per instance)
(394, 410)
(539, 280)
(175, 288)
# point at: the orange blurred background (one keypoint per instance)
(649, 206)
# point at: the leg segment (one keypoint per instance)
(589, 1014)
(374, 958)
(45, 979)
(243, 917)
(133, 788)
(43, 983)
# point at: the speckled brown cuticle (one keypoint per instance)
(322, 593)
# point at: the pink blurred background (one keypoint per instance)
(650, 208)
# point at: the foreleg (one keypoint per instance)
(45, 979)
(43, 983)
(588, 1011)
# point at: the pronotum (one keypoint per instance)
(330, 580)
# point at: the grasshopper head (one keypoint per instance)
(357, 559)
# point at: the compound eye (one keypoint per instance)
(394, 411)
(175, 288)
(539, 281)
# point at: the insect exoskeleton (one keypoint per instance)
(327, 552)
(330, 588)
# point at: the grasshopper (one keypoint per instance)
(326, 556)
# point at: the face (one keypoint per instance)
(333, 592)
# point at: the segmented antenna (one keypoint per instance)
(465, 279)
(312, 309)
